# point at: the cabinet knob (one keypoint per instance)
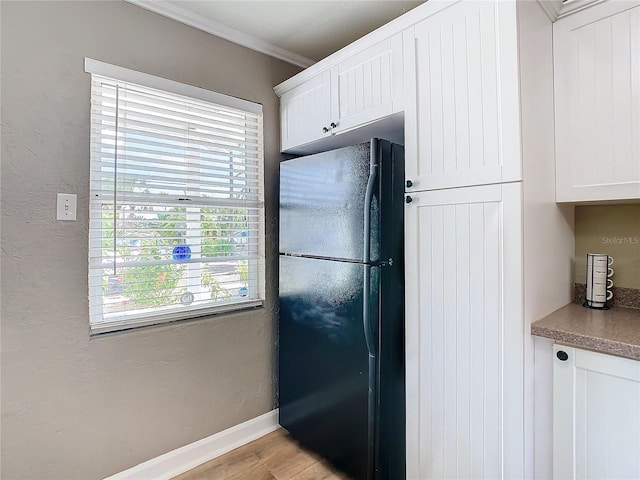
(325, 129)
(408, 199)
(409, 184)
(333, 125)
(562, 355)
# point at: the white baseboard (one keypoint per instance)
(190, 456)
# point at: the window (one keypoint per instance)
(176, 210)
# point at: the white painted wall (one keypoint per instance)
(80, 408)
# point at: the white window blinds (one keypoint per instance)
(176, 209)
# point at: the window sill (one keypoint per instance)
(120, 326)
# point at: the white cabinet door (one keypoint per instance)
(368, 85)
(597, 94)
(305, 112)
(596, 415)
(357, 91)
(462, 98)
(464, 328)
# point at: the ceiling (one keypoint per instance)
(300, 32)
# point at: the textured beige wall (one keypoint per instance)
(80, 408)
(614, 230)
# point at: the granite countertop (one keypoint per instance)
(615, 331)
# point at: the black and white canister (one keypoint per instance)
(599, 282)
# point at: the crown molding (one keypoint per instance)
(214, 28)
(556, 9)
(551, 8)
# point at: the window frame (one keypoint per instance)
(175, 313)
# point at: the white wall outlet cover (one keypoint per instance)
(67, 206)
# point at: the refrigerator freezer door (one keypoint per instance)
(322, 201)
(323, 360)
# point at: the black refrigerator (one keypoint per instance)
(341, 327)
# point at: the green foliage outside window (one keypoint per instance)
(151, 235)
(218, 292)
(152, 285)
(243, 270)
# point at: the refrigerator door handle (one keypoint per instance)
(366, 314)
(367, 250)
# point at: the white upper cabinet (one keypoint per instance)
(368, 85)
(351, 91)
(597, 95)
(305, 112)
(462, 101)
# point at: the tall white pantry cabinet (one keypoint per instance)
(486, 246)
(489, 243)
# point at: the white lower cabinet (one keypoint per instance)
(464, 324)
(596, 415)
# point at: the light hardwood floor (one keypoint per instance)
(273, 457)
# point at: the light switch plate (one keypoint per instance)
(67, 206)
